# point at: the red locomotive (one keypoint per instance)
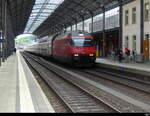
(76, 47)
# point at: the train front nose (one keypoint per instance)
(84, 55)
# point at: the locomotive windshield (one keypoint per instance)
(82, 42)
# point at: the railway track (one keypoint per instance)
(117, 101)
(75, 97)
(138, 82)
(119, 85)
(121, 79)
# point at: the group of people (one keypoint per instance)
(120, 55)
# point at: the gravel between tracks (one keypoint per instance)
(134, 93)
(118, 103)
(54, 100)
(70, 93)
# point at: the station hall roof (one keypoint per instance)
(42, 9)
(63, 14)
(19, 11)
(71, 11)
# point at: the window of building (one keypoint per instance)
(146, 11)
(147, 37)
(134, 15)
(127, 42)
(134, 43)
(126, 17)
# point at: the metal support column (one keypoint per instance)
(120, 24)
(104, 39)
(3, 23)
(53, 30)
(5, 42)
(71, 27)
(83, 24)
(3, 49)
(1, 26)
(0, 45)
(92, 26)
(65, 28)
(76, 26)
(142, 25)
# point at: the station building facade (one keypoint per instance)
(132, 20)
(111, 30)
(131, 28)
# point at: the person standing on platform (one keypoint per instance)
(113, 54)
(120, 55)
(134, 55)
(127, 54)
(116, 54)
(15, 50)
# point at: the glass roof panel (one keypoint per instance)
(40, 12)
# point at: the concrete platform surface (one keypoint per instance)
(19, 90)
(145, 67)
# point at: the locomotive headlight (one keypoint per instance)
(76, 55)
(91, 55)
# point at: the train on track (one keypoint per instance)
(76, 48)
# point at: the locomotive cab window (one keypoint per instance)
(82, 42)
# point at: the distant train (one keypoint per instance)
(76, 47)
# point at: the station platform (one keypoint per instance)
(19, 90)
(139, 68)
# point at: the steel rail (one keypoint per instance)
(128, 81)
(55, 71)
